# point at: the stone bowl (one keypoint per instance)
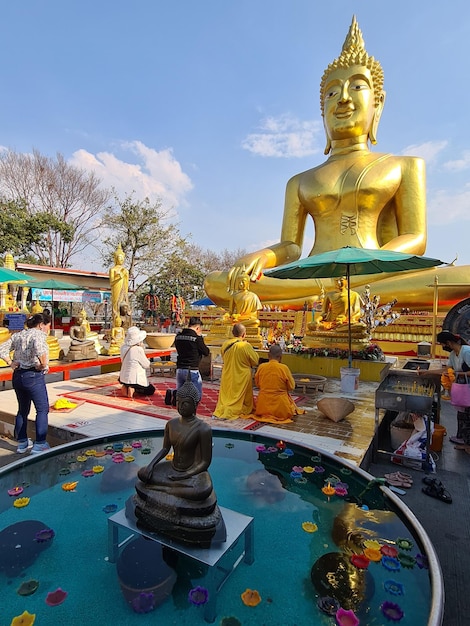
(160, 341)
(336, 409)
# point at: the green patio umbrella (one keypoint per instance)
(53, 285)
(350, 261)
(12, 276)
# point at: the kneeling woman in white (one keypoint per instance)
(134, 364)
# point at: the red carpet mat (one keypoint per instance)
(154, 406)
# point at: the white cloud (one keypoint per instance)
(156, 175)
(445, 207)
(427, 151)
(284, 136)
(459, 164)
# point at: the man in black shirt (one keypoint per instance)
(190, 346)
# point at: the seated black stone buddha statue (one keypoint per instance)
(175, 497)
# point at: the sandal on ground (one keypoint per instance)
(439, 492)
(428, 480)
(399, 483)
(462, 446)
(458, 440)
(400, 476)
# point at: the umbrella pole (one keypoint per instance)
(349, 318)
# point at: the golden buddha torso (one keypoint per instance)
(352, 199)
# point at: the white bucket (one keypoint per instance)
(349, 379)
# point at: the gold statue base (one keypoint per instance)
(55, 351)
(220, 332)
(337, 337)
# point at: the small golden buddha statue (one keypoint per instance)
(117, 339)
(119, 283)
(355, 198)
(36, 308)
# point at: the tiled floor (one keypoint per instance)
(349, 439)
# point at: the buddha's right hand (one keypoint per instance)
(251, 264)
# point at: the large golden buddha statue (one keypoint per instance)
(355, 198)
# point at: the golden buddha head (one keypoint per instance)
(357, 79)
(119, 255)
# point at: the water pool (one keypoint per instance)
(280, 488)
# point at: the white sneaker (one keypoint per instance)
(24, 446)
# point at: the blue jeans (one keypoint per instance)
(30, 387)
(182, 375)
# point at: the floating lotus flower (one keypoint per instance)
(198, 596)
(360, 561)
(118, 458)
(392, 611)
(16, 491)
(390, 563)
(129, 458)
(251, 597)
(372, 554)
(406, 560)
(88, 473)
(371, 543)
(110, 508)
(319, 469)
(54, 598)
(404, 544)
(308, 469)
(316, 458)
(309, 527)
(82, 458)
(109, 451)
(90, 452)
(393, 587)
(229, 445)
(144, 602)
(346, 618)
(260, 448)
(19, 503)
(70, 486)
(298, 468)
(136, 444)
(25, 619)
(341, 491)
(328, 490)
(389, 551)
(301, 480)
(127, 449)
(422, 561)
(296, 474)
(64, 471)
(282, 455)
(97, 469)
(146, 450)
(117, 447)
(345, 471)
(100, 453)
(272, 449)
(28, 587)
(44, 535)
(328, 605)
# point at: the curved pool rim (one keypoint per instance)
(436, 614)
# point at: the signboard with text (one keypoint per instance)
(69, 295)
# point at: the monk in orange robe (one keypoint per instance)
(274, 381)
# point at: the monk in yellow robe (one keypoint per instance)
(236, 386)
(274, 381)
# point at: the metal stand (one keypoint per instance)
(222, 559)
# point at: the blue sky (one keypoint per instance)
(213, 105)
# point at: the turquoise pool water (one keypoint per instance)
(281, 489)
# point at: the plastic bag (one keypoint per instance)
(460, 392)
(412, 452)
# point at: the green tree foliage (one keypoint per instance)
(63, 203)
(21, 232)
(146, 235)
